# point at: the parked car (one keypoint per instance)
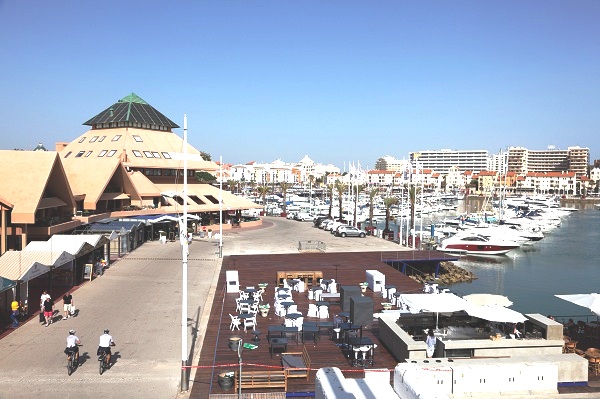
(350, 231)
(319, 219)
(304, 217)
(291, 215)
(334, 226)
(324, 223)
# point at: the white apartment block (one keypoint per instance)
(388, 162)
(442, 160)
(522, 160)
(548, 183)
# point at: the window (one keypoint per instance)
(137, 153)
(116, 138)
(81, 140)
(148, 154)
(68, 153)
(166, 155)
(88, 153)
(156, 154)
(79, 154)
(102, 153)
(93, 139)
(137, 138)
(101, 139)
(111, 153)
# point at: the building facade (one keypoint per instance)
(574, 159)
(441, 161)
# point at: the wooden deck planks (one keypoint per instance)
(346, 268)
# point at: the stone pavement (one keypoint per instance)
(139, 300)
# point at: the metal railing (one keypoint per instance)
(312, 245)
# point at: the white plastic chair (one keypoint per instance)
(279, 310)
(257, 295)
(235, 322)
(391, 293)
(318, 295)
(292, 309)
(244, 307)
(300, 286)
(289, 323)
(323, 312)
(333, 287)
(244, 295)
(298, 323)
(249, 322)
(237, 305)
(313, 310)
(311, 295)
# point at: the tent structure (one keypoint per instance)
(590, 301)
(488, 299)
(6, 284)
(496, 313)
(449, 302)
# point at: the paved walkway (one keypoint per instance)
(139, 300)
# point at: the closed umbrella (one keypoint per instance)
(590, 301)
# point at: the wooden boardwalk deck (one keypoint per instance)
(345, 268)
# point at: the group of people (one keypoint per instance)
(106, 341)
(47, 307)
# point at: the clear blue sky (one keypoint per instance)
(337, 80)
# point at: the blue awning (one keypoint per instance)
(6, 284)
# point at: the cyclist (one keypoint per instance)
(106, 341)
(72, 348)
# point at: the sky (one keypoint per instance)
(339, 81)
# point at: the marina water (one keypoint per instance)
(566, 261)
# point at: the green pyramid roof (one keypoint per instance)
(135, 112)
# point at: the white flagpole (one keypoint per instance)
(221, 207)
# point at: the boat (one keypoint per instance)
(476, 244)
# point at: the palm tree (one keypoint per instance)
(330, 195)
(388, 202)
(263, 190)
(231, 183)
(358, 188)
(413, 191)
(284, 187)
(341, 189)
(372, 193)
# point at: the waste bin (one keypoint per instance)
(226, 380)
(234, 343)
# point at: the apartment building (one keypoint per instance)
(443, 160)
(522, 160)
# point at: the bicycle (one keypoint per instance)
(72, 362)
(103, 363)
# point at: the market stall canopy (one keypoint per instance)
(6, 284)
(488, 299)
(590, 301)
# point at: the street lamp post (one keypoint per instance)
(183, 237)
(239, 353)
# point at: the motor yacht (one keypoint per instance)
(471, 243)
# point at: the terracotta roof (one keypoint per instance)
(48, 180)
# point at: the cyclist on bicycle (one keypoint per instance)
(72, 345)
(106, 341)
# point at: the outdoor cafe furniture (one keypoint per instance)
(355, 347)
(313, 310)
(325, 325)
(277, 343)
(308, 331)
(389, 290)
(348, 330)
(313, 290)
(275, 331)
(570, 346)
(256, 333)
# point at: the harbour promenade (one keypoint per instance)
(139, 300)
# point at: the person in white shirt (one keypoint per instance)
(106, 341)
(72, 345)
(430, 341)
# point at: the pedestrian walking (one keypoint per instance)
(42, 300)
(48, 311)
(14, 306)
(68, 304)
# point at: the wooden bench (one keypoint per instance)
(261, 379)
(296, 364)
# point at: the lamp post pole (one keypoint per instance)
(240, 346)
(183, 237)
(221, 207)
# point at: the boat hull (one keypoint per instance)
(477, 249)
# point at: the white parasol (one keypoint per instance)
(495, 313)
(590, 301)
(488, 300)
